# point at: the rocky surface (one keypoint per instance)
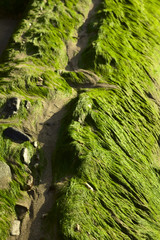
(15, 229)
(5, 175)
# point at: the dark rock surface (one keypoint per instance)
(15, 135)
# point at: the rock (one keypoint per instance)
(26, 168)
(77, 227)
(25, 156)
(40, 81)
(36, 165)
(5, 175)
(15, 229)
(24, 201)
(22, 206)
(27, 186)
(29, 183)
(35, 144)
(15, 135)
(12, 106)
(27, 104)
(89, 187)
(32, 194)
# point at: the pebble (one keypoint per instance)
(15, 229)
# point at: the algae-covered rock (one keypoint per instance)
(5, 175)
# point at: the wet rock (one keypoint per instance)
(5, 175)
(25, 156)
(12, 106)
(15, 135)
(15, 229)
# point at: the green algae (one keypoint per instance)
(28, 69)
(109, 153)
(107, 157)
(113, 135)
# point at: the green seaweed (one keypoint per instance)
(106, 165)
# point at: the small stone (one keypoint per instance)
(35, 144)
(77, 228)
(5, 175)
(36, 165)
(15, 229)
(26, 156)
(40, 79)
(27, 104)
(29, 183)
(15, 135)
(89, 187)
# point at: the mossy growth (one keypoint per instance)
(107, 158)
(110, 146)
(28, 70)
(106, 166)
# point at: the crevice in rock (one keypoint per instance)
(74, 50)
